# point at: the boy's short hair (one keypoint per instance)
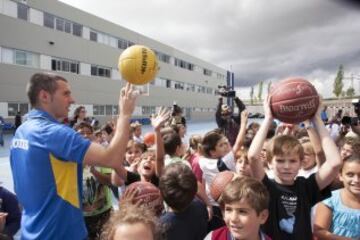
(354, 143)
(209, 142)
(178, 186)
(42, 81)
(171, 142)
(107, 128)
(353, 158)
(284, 144)
(82, 125)
(249, 189)
(97, 133)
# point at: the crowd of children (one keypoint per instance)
(293, 182)
(285, 175)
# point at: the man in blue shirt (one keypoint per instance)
(324, 115)
(47, 159)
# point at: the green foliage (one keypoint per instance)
(350, 92)
(269, 87)
(260, 90)
(338, 82)
(252, 95)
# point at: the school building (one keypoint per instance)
(51, 36)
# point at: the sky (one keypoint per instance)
(259, 40)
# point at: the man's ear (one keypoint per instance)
(264, 214)
(44, 96)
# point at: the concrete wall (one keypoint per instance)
(33, 37)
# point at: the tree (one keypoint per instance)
(338, 83)
(252, 95)
(269, 87)
(350, 92)
(260, 90)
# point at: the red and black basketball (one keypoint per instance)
(293, 100)
(148, 194)
(219, 183)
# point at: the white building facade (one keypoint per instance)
(51, 36)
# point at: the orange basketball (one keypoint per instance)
(293, 100)
(148, 194)
(149, 138)
(219, 183)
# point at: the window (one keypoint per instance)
(13, 108)
(115, 110)
(26, 58)
(48, 20)
(7, 55)
(20, 57)
(24, 108)
(74, 67)
(148, 110)
(100, 71)
(108, 110)
(163, 57)
(93, 36)
(77, 29)
(68, 27)
(190, 66)
(99, 110)
(60, 24)
(22, 11)
(168, 83)
(122, 44)
(64, 65)
(207, 72)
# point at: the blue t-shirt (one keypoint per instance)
(345, 221)
(46, 161)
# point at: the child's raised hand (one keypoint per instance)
(134, 165)
(319, 109)
(244, 117)
(267, 109)
(159, 120)
(129, 197)
(128, 96)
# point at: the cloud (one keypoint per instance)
(259, 40)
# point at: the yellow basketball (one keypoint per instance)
(138, 64)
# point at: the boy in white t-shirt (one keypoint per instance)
(218, 157)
